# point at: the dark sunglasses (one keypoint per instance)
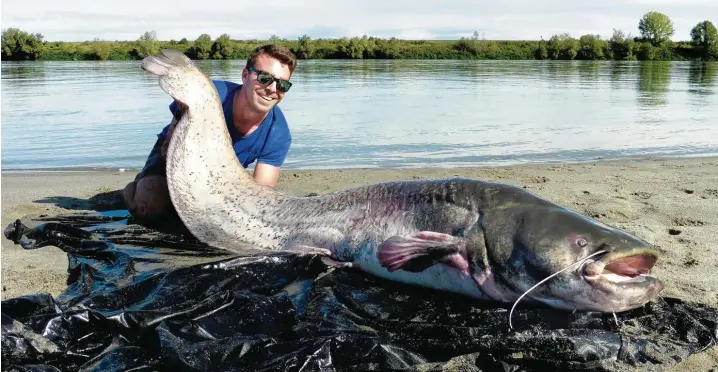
(265, 78)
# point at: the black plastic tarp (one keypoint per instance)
(139, 299)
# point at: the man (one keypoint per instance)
(257, 126)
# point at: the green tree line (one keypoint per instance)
(653, 43)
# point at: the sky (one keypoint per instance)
(80, 20)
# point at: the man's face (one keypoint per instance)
(262, 97)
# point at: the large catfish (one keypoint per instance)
(485, 240)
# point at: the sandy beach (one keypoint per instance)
(672, 203)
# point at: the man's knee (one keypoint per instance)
(147, 197)
(128, 195)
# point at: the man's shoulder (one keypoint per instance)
(279, 123)
(224, 87)
(277, 141)
(278, 116)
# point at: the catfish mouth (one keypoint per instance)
(621, 270)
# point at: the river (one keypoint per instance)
(378, 113)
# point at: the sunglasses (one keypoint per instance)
(265, 78)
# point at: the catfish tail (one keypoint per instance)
(180, 78)
(162, 64)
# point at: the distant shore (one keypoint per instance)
(562, 46)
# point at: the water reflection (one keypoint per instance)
(653, 82)
(555, 70)
(701, 76)
(589, 71)
(620, 73)
(227, 69)
(12, 71)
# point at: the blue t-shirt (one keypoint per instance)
(268, 144)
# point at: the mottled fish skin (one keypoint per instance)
(498, 240)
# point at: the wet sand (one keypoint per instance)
(672, 203)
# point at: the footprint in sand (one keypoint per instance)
(689, 261)
(684, 221)
(672, 166)
(642, 194)
(686, 242)
(560, 168)
(619, 209)
(612, 214)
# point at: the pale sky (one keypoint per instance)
(78, 20)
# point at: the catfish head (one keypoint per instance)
(527, 243)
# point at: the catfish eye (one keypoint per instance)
(581, 242)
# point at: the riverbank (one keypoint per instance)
(618, 46)
(669, 202)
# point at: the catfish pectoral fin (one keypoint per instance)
(418, 252)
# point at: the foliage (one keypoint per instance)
(20, 45)
(592, 47)
(562, 46)
(654, 44)
(147, 45)
(201, 48)
(656, 27)
(305, 47)
(622, 47)
(705, 36)
(222, 48)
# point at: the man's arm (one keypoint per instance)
(266, 174)
(166, 143)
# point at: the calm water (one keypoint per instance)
(381, 113)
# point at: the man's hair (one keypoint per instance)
(282, 54)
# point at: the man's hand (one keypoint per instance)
(171, 129)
